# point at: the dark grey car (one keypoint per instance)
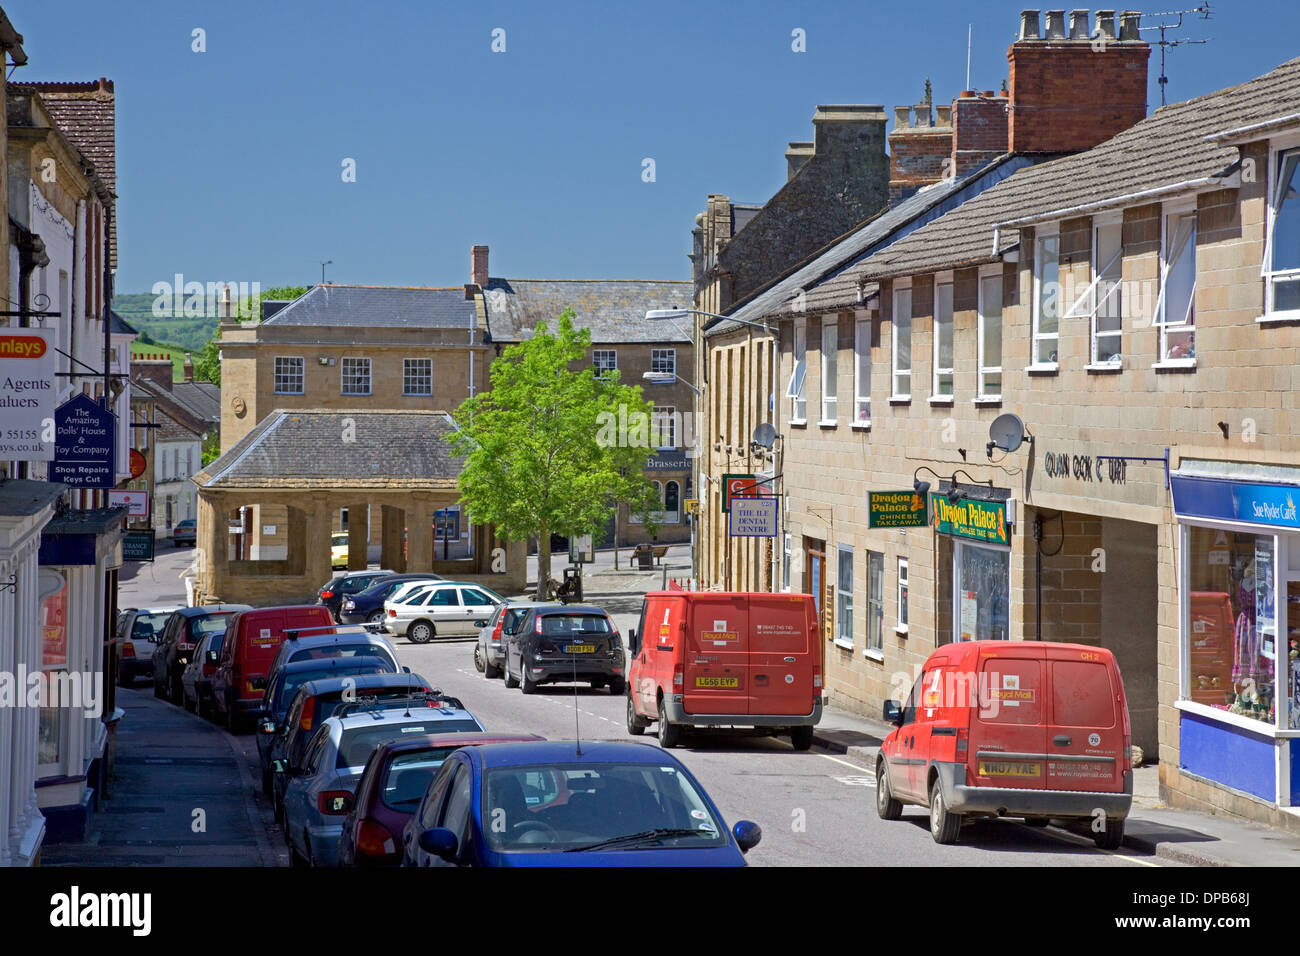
(565, 643)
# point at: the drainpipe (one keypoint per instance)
(1038, 577)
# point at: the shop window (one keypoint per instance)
(981, 593)
(1175, 311)
(1231, 639)
(830, 374)
(844, 598)
(990, 338)
(875, 602)
(902, 344)
(1282, 257)
(671, 493)
(1047, 299)
(795, 388)
(941, 385)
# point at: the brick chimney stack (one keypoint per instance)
(979, 130)
(920, 147)
(188, 368)
(1070, 89)
(479, 266)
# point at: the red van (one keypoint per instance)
(252, 639)
(1027, 729)
(717, 659)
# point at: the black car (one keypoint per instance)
(180, 637)
(367, 606)
(343, 585)
(558, 643)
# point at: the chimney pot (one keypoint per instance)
(1078, 24)
(989, 94)
(921, 116)
(1129, 23)
(943, 116)
(479, 266)
(1106, 24)
(902, 117)
(1055, 26)
(967, 94)
(1029, 24)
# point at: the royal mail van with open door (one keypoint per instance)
(716, 659)
(1027, 729)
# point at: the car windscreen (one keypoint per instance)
(408, 776)
(578, 806)
(209, 624)
(341, 650)
(574, 625)
(148, 627)
(358, 742)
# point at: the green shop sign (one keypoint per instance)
(979, 520)
(896, 509)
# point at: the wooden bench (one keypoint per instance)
(659, 552)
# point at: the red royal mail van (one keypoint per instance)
(1026, 729)
(716, 659)
(252, 639)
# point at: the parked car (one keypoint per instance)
(319, 795)
(138, 631)
(1029, 729)
(391, 788)
(490, 651)
(714, 659)
(185, 532)
(547, 804)
(408, 588)
(340, 586)
(180, 637)
(367, 606)
(247, 653)
(196, 679)
(316, 700)
(562, 643)
(339, 640)
(338, 550)
(446, 609)
(283, 684)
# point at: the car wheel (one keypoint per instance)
(511, 680)
(478, 659)
(944, 824)
(670, 735)
(526, 685)
(490, 671)
(617, 685)
(157, 688)
(177, 693)
(376, 617)
(190, 705)
(801, 738)
(1111, 837)
(421, 632)
(636, 724)
(887, 808)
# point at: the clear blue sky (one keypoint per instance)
(229, 160)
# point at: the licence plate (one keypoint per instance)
(717, 682)
(579, 648)
(1010, 769)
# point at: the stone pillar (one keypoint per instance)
(390, 552)
(317, 540)
(358, 536)
(419, 534)
(296, 556)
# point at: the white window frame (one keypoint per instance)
(983, 369)
(844, 597)
(1045, 234)
(343, 374)
(609, 356)
(279, 376)
(407, 376)
(900, 625)
(1113, 269)
(788, 554)
(830, 370)
(900, 376)
(1276, 158)
(937, 397)
(663, 361)
(664, 414)
(875, 646)
(796, 388)
(1178, 212)
(861, 364)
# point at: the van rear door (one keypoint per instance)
(1085, 737)
(781, 650)
(715, 654)
(1008, 735)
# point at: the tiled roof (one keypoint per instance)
(366, 306)
(614, 309)
(305, 449)
(1163, 150)
(199, 402)
(86, 115)
(118, 325)
(824, 277)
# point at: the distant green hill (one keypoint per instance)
(186, 334)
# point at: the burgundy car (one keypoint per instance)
(390, 791)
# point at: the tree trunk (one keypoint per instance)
(543, 562)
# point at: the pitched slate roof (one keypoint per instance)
(369, 306)
(118, 325)
(614, 309)
(823, 276)
(86, 114)
(196, 405)
(306, 449)
(1166, 149)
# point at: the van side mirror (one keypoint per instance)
(633, 641)
(892, 713)
(212, 657)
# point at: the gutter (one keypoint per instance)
(1243, 133)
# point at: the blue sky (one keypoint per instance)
(229, 161)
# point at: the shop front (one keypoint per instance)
(1238, 563)
(974, 541)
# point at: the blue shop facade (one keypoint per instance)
(1237, 554)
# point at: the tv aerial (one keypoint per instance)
(1007, 432)
(1203, 11)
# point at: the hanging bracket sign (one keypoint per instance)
(85, 444)
(971, 518)
(896, 509)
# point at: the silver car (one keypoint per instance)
(446, 609)
(490, 652)
(138, 629)
(318, 797)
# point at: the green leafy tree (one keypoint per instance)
(549, 446)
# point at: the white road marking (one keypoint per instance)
(845, 762)
(856, 781)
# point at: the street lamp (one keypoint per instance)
(327, 262)
(667, 378)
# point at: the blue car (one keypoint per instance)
(551, 803)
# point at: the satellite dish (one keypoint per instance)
(765, 435)
(1007, 432)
